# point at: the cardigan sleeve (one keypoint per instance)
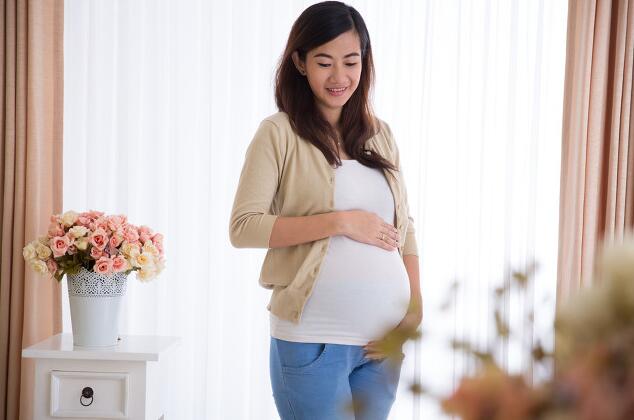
(410, 247)
(251, 219)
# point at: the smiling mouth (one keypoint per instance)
(336, 92)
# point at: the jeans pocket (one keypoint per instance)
(295, 356)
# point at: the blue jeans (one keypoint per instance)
(314, 381)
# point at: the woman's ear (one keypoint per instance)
(298, 63)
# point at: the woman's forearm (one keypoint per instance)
(289, 231)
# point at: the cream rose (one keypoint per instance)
(43, 251)
(159, 265)
(29, 252)
(82, 244)
(142, 260)
(149, 248)
(130, 250)
(69, 218)
(145, 274)
(39, 266)
(78, 231)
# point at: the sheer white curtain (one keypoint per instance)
(163, 97)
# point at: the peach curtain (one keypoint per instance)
(31, 182)
(597, 174)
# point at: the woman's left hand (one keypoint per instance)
(391, 345)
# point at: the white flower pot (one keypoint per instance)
(95, 307)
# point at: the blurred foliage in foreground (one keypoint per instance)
(594, 356)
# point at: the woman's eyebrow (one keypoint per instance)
(330, 56)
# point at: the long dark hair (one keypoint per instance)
(317, 25)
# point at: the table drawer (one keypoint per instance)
(102, 395)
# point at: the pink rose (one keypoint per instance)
(145, 234)
(99, 239)
(72, 250)
(51, 265)
(71, 238)
(157, 239)
(101, 223)
(146, 229)
(111, 251)
(55, 229)
(119, 264)
(115, 241)
(59, 245)
(96, 253)
(131, 234)
(94, 214)
(115, 222)
(103, 265)
(83, 221)
(57, 219)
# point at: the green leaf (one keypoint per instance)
(521, 279)
(501, 326)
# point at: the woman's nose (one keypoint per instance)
(338, 74)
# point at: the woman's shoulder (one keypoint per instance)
(383, 134)
(274, 131)
(382, 127)
(279, 119)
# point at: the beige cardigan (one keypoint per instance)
(285, 175)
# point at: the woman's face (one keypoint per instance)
(333, 71)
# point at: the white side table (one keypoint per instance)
(128, 381)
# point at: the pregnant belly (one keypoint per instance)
(361, 291)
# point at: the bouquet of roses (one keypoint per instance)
(103, 244)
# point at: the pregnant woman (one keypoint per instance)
(321, 189)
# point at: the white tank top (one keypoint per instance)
(362, 291)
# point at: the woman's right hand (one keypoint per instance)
(369, 228)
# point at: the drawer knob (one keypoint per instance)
(86, 393)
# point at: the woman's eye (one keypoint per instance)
(328, 65)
